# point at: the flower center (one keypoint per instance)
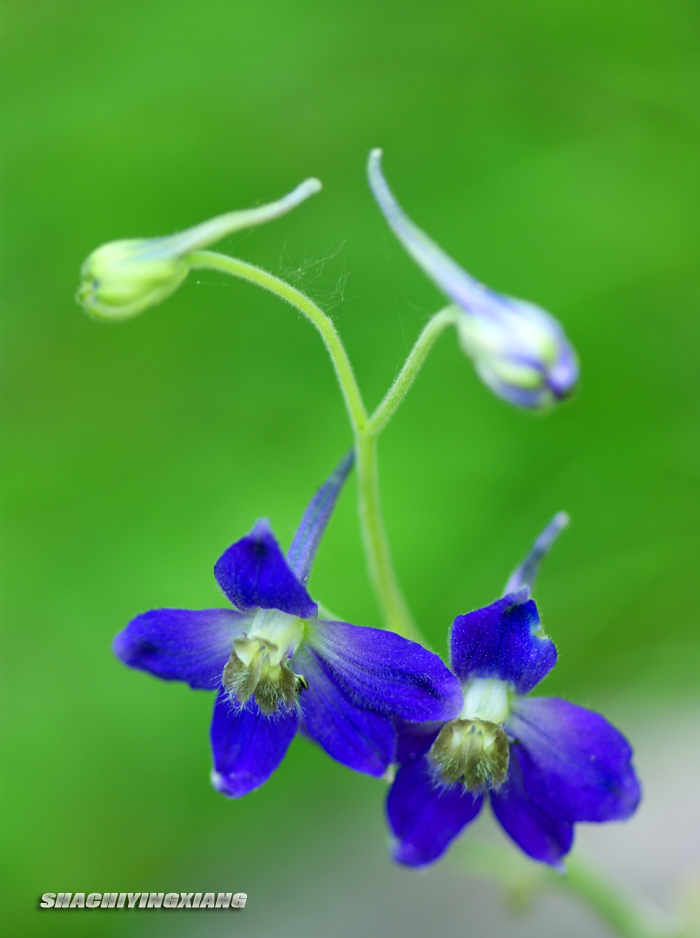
(259, 662)
(474, 747)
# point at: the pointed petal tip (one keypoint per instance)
(261, 530)
(232, 787)
(220, 783)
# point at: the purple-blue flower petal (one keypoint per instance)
(531, 398)
(384, 672)
(253, 572)
(576, 766)
(300, 555)
(537, 833)
(247, 745)
(362, 740)
(413, 740)
(426, 818)
(502, 641)
(181, 644)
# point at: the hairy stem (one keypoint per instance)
(211, 260)
(413, 364)
(380, 566)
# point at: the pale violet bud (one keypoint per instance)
(123, 278)
(520, 351)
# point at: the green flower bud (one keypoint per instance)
(124, 278)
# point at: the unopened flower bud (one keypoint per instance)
(123, 278)
(520, 350)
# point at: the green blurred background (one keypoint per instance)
(552, 148)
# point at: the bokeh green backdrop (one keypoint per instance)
(552, 148)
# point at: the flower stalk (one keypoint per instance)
(380, 566)
(522, 353)
(432, 330)
(211, 260)
(625, 915)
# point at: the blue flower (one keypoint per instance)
(545, 763)
(519, 349)
(278, 668)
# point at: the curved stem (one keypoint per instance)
(211, 260)
(413, 364)
(381, 569)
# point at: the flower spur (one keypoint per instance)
(520, 350)
(545, 763)
(279, 668)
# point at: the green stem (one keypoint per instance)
(381, 569)
(413, 364)
(625, 916)
(211, 260)
(620, 911)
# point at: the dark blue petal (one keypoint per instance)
(424, 818)
(181, 644)
(253, 572)
(413, 740)
(360, 739)
(247, 745)
(576, 766)
(539, 835)
(384, 672)
(300, 555)
(501, 641)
